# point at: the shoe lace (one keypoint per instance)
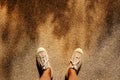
(44, 60)
(75, 59)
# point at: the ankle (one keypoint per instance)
(72, 71)
(47, 72)
(72, 75)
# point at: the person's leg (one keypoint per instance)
(43, 64)
(46, 74)
(75, 64)
(72, 74)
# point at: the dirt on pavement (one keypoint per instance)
(60, 26)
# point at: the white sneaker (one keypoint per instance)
(76, 59)
(42, 58)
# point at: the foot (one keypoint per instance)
(42, 58)
(76, 60)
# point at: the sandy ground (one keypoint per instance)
(60, 27)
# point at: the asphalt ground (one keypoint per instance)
(60, 27)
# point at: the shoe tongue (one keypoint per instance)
(45, 65)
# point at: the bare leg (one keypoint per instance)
(72, 75)
(46, 74)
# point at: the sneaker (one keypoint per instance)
(76, 60)
(42, 58)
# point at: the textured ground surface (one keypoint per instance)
(60, 26)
